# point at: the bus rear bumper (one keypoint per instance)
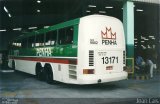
(93, 79)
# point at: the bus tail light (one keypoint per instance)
(88, 71)
(109, 68)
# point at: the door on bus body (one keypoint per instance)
(101, 45)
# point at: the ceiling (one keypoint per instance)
(30, 13)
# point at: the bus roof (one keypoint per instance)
(50, 28)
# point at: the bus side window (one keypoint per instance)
(65, 36)
(13, 44)
(17, 44)
(69, 35)
(24, 43)
(51, 38)
(39, 40)
(31, 41)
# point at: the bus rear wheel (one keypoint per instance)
(48, 73)
(39, 72)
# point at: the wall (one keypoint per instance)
(5, 37)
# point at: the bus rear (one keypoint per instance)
(101, 50)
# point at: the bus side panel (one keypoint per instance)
(25, 66)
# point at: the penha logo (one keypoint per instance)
(108, 37)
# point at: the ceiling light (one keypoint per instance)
(9, 15)
(135, 38)
(46, 26)
(142, 41)
(5, 9)
(146, 39)
(139, 10)
(143, 37)
(88, 11)
(32, 27)
(102, 12)
(18, 29)
(38, 10)
(92, 6)
(38, 1)
(151, 36)
(3, 30)
(109, 7)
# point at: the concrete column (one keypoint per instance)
(128, 22)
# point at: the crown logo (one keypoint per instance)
(108, 34)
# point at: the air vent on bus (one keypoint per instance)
(91, 58)
(72, 72)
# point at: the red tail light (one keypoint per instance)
(88, 71)
(109, 68)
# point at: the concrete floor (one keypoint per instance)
(22, 85)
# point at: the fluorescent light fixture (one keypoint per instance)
(5, 9)
(46, 26)
(135, 42)
(135, 39)
(3, 30)
(146, 39)
(38, 1)
(139, 10)
(38, 10)
(18, 29)
(135, 45)
(102, 12)
(92, 6)
(143, 37)
(142, 41)
(109, 7)
(9, 15)
(88, 11)
(143, 46)
(149, 46)
(151, 36)
(32, 27)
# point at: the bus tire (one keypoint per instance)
(48, 73)
(39, 72)
(13, 65)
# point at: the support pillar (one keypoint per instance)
(128, 22)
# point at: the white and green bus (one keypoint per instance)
(86, 50)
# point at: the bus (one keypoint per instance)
(86, 50)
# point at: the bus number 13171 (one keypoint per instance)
(110, 60)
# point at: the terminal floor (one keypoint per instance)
(24, 86)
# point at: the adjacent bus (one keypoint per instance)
(86, 50)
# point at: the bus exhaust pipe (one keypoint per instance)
(99, 80)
